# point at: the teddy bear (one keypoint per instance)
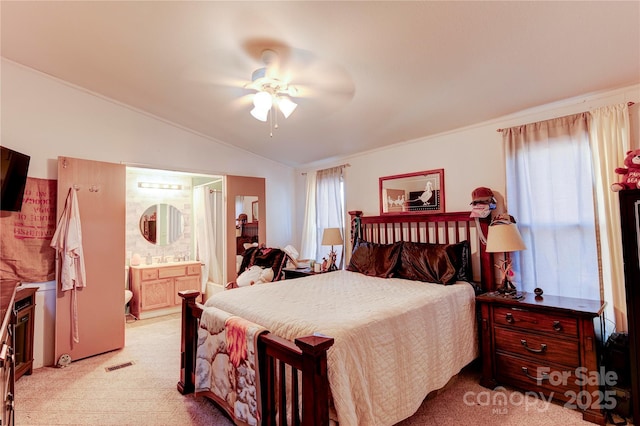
(255, 275)
(631, 173)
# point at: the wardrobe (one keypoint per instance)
(630, 222)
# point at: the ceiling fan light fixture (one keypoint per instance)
(260, 114)
(263, 101)
(269, 91)
(287, 106)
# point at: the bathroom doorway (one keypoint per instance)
(171, 217)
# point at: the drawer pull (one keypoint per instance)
(557, 326)
(545, 376)
(543, 347)
(511, 320)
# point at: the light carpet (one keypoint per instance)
(145, 393)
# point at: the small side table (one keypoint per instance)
(544, 344)
(299, 273)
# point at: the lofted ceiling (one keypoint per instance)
(369, 74)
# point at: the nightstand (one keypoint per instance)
(298, 273)
(546, 345)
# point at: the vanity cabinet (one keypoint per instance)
(155, 287)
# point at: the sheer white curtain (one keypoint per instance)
(610, 140)
(329, 209)
(309, 230)
(208, 212)
(325, 209)
(550, 194)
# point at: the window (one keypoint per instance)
(550, 194)
(325, 209)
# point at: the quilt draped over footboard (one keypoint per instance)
(226, 364)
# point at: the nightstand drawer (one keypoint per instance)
(539, 321)
(533, 376)
(538, 346)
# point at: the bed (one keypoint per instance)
(360, 346)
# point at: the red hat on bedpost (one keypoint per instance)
(482, 195)
(482, 202)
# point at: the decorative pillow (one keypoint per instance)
(426, 262)
(460, 255)
(373, 259)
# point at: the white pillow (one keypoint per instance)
(249, 276)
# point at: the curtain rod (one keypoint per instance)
(628, 104)
(341, 165)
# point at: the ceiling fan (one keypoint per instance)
(318, 86)
(271, 92)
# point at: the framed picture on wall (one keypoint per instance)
(413, 193)
(394, 201)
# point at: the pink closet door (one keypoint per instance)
(101, 199)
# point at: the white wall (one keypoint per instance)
(46, 118)
(471, 156)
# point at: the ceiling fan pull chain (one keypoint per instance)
(275, 115)
(271, 123)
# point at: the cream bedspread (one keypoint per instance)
(395, 340)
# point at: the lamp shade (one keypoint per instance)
(287, 106)
(262, 101)
(260, 114)
(331, 237)
(503, 238)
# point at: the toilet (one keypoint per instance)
(128, 294)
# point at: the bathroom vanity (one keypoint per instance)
(155, 287)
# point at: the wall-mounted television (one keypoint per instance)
(13, 171)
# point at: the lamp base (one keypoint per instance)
(508, 291)
(332, 261)
(507, 287)
(517, 295)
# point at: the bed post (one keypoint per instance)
(487, 278)
(315, 386)
(188, 342)
(356, 230)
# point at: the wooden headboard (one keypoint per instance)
(438, 228)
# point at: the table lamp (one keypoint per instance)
(504, 237)
(332, 237)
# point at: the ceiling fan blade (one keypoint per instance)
(243, 102)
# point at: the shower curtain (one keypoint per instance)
(208, 210)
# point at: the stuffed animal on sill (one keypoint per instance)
(630, 173)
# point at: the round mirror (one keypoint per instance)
(161, 224)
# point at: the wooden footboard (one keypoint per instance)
(308, 355)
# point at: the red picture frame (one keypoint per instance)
(413, 193)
